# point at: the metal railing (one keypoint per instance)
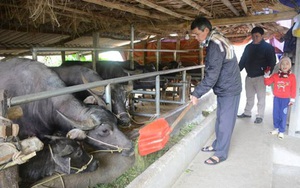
(71, 89)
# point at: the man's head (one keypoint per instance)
(201, 27)
(257, 35)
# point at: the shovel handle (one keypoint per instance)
(175, 123)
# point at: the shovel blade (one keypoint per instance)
(154, 136)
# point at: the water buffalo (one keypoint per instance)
(62, 113)
(77, 74)
(60, 155)
(145, 83)
(116, 69)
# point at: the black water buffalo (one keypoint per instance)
(169, 65)
(110, 69)
(145, 83)
(62, 113)
(77, 74)
(116, 69)
(60, 155)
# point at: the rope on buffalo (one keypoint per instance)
(121, 113)
(144, 122)
(78, 169)
(84, 166)
(118, 149)
(138, 123)
(57, 175)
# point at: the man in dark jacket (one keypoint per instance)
(222, 74)
(257, 56)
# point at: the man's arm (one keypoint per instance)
(243, 59)
(271, 57)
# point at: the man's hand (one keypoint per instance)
(194, 100)
(267, 72)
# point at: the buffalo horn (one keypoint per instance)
(132, 72)
(97, 90)
(84, 125)
(76, 134)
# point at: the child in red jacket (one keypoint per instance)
(284, 91)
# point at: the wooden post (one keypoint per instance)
(9, 176)
(177, 56)
(188, 87)
(131, 55)
(95, 52)
(158, 58)
(3, 100)
(145, 53)
(294, 124)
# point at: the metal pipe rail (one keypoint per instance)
(71, 89)
(161, 101)
(143, 92)
(53, 49)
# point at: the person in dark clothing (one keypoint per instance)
(257, 56)
(222, 74)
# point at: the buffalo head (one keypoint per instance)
(119, 97)
(70, 157)
(106, 135)
(60, 155)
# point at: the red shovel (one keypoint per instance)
(154, 136)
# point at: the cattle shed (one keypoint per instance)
(64, 23)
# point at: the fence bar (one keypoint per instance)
(183, 87)
(143, 92)
(51, 49)
(161, 101)
(108, 96)
(72, 89)
(157, 95)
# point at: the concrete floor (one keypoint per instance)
(256, 159)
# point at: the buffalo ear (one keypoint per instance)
(66, 151)
(76, 134)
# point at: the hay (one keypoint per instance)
(143, 162)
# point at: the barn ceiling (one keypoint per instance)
(71, 23)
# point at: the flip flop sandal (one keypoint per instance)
(214, 161)
(208, 149)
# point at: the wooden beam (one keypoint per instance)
(254, 19)
(163, 9)
(198, 7)
(229, 5)
(126, 8)
(248, 20)
(244, 7)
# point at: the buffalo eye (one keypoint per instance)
(104, 132)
